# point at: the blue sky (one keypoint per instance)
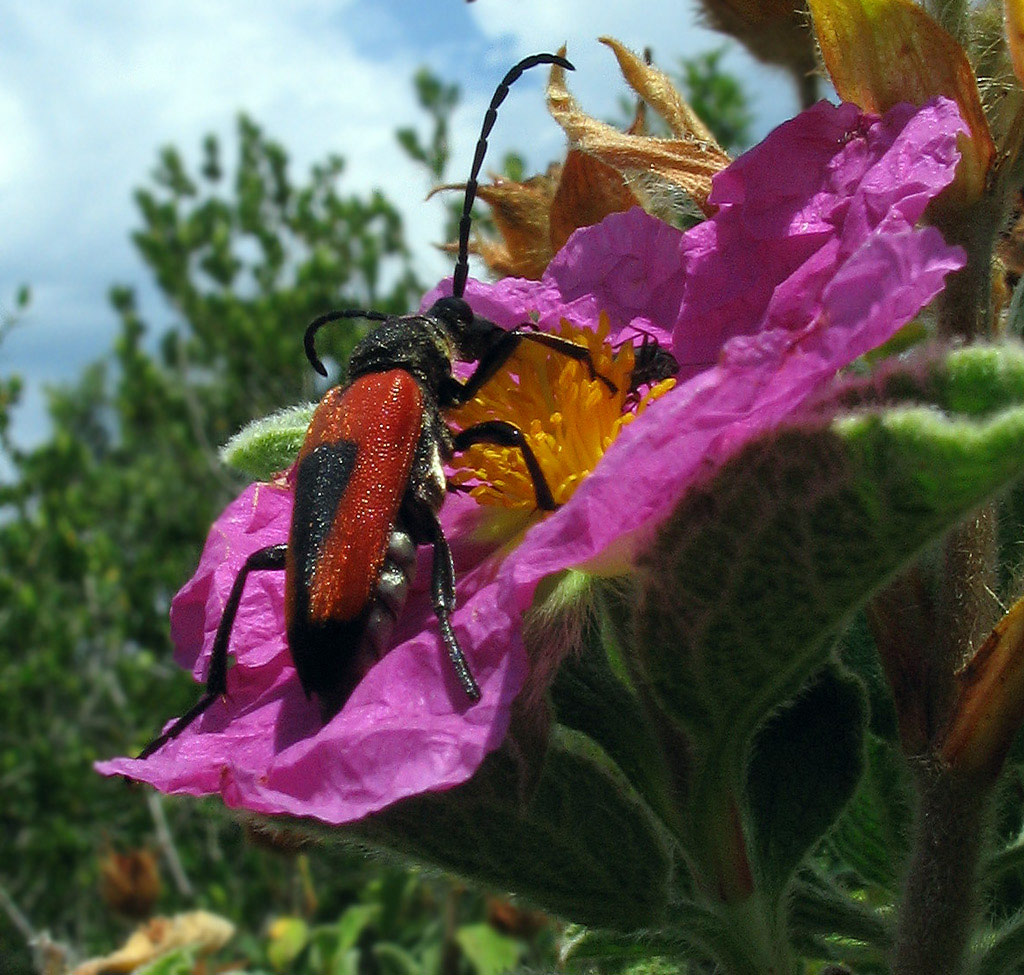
(90, 91)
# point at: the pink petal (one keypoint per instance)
(408, 728)
(812, 259)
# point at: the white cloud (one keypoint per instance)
(87, 96)
(89, 92)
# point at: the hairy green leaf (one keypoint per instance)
(584, 848)
(268, 445)
(805, 765)
(756, 570)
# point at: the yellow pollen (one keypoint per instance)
(569, 419)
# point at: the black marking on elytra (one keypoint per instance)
(326, 655)
(321, 480)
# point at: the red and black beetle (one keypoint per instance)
(370, 481)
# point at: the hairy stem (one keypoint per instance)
(968, 607)
(939, 894)
(952, 14)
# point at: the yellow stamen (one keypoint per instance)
(569, 419)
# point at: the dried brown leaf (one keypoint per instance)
(130, 882)
(657, 170)
(588, 191)
(990, 703)
(521, 212)
(199, 929)
(657, 89)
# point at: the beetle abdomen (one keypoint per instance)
(351, 475)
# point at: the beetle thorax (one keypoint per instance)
(417, 343)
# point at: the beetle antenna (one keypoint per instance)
(462, 264)
(332, 316)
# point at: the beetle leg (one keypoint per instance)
(442, 590)
(458, 488)
(270, 558)
(455, 393)
(505, 434)
(422, 520)
(567, 348)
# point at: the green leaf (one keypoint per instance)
(488, 951)
(269, 445)
(696, 933)
(591, 695)
(751, 577)
(392, 959)
(585, 847)
(871, 835)
(353, 923)
(181, 961)
(1004, 952)
(806, 763)
(820, 909)
(858, 653)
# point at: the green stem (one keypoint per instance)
(938, 903)
(964, 307)
(940, 890)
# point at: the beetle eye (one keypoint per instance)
(453, 312)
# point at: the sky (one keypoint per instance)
(89, 92)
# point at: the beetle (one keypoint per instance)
(652, 363)
(369, 480)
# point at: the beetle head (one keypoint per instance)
(470, 335)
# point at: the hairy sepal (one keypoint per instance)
(268, 445)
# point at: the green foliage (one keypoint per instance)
(102, 521)
(871, 836)
(806, 764)
(489, 951)
(438, 100)
(590, 696)
(269, 444)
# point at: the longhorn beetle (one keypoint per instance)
(369, 480)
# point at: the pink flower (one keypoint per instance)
(812, 259)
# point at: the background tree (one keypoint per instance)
(103, 521)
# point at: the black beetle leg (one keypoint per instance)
(505, 434)
(455, 393)
(442, 590)
(422, 522)
(270, 558)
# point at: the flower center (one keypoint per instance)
(569, 419)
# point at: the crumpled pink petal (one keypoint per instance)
(408, 728)
(812, 259)
(852, 270)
